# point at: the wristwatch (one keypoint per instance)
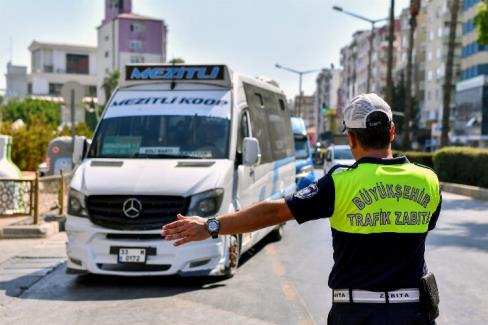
(213, 227)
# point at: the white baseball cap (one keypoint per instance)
(367, 111)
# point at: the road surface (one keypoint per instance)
(278, 283)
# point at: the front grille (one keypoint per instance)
(107, 211)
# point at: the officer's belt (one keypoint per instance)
(363, 296)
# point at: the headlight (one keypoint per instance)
(76, 204)
(206, 204)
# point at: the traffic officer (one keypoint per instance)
(380, 210)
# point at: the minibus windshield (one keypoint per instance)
(164, 124)
(160, 136)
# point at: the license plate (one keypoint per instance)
(132, 255)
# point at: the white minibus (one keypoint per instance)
(191, 139)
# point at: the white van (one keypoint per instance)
(196, 140)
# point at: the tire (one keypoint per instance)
(234, 251)
(277, 234)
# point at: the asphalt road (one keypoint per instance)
(278, 283)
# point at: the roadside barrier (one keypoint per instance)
(34, 195)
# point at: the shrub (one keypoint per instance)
(462, 165)
(419, 157)
(29, 143)
(28, 109)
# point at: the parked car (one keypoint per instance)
(338, 155)
(305, 174)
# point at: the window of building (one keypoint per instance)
(106, 54)
(136, 27)
(29, 88)
(136, 59)
(48, 61)
(429, 75)
(438, 52)
(431, 35)
(55, 89)
(36, 60)
(135, 44)
(429, 56)
(107, 37)
(439, 32)
(77, 63)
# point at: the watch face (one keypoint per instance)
(213, 226)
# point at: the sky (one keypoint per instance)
(250, 36)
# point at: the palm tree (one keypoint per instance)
(414, 11)
(177, 61)
(446, 111)
(110, 82)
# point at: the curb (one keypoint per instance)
(475, 192)
(51, 226)
(42, 230)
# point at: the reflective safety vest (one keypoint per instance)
(384, 198)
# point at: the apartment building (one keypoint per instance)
(327, 96)
(125, 37)
(471, 112)
(304, 107)
(52, 65)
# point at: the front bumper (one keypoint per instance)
(89, 250)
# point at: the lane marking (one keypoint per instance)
(278, 268)
(289, 292)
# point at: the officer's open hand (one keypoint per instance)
(185, 230)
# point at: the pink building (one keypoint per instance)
(125, 37)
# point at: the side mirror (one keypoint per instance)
(251, 153)
(79, 149)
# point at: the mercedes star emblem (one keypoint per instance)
(132, 208)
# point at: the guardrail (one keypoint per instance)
(33, 195)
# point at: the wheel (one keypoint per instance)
(234, 251)
(277, 234)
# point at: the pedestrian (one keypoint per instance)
(380, 210)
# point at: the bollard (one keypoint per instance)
(61, 194)
(36, 199)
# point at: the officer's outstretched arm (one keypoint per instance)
(261, 215)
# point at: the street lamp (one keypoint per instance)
(300, 77)
(370, 54)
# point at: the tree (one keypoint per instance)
(30, 143)
(110, 82)
(446, 110)
(481, 23)
(81, 129)
(48, 112)
(177, 61)
(407, 118)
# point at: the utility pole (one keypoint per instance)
(300, 80)
(389, 73)
(407, 118)
(371, 37)
(446, 112)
